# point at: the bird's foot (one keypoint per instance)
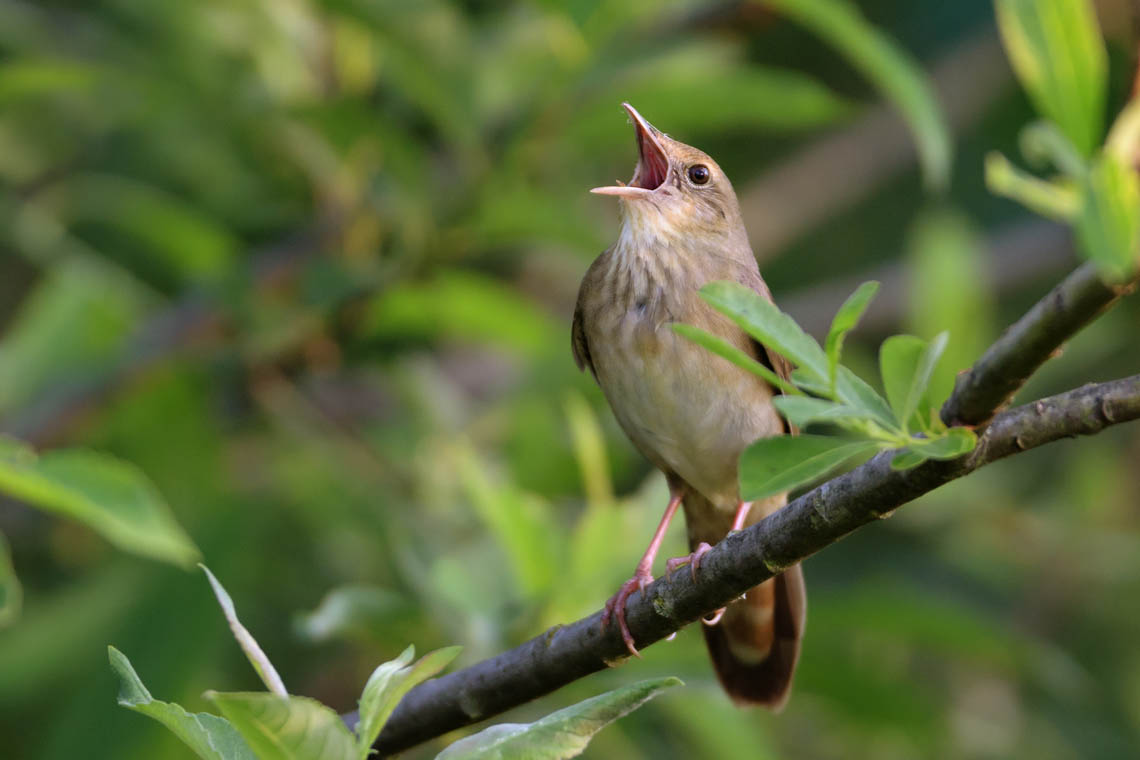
(615, 607)
(694, 562)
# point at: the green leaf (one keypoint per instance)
(952, 444)
(109, 495)
(845, 319)
(1108, 226)
(387, 686)
(851, 390)
(889, 67)
(906, 459)
(561, 734)
(802, 411)
(211, 737)
(286, 728)
(1043, 144)
(854, 391)
(66, 327)
(760, 318)
(1052, 200)
(11, 594)
(1056, 50)
(907, 363)
(253, 652)
(724, 349)
(775, 465)
(176, 234)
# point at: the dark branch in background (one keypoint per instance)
(808, 524)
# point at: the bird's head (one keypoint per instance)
(677, 192)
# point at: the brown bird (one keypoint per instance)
(688, 411)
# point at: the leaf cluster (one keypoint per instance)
(1058, 53)
(275, 725)
(823, 392)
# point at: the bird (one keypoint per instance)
(689, 412)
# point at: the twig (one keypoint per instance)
(808, 524)
(1027, 344)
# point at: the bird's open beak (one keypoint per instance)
(652, 165)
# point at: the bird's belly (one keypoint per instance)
(689, 411)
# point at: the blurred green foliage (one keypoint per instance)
(309, 264)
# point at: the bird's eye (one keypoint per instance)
(699, 174)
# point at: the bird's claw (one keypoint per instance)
(615, 607)
(693, 561)
(711, 620)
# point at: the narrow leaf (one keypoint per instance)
(952, 444)
(108, 495)
(926, 364)
(906, 459)
(889, 67)
(775, 465)
(802, 411)
(907, 364)
(211, 737)
(724, 349)
(845, 319)
(286, 728)
(1044, 144)
(1056, 50)
(253, 652)
(1050, 199)
(760, 318)
(1108, 226)
(854, 391)
(388, 685)
(561, 734)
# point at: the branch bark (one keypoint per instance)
(808, 524)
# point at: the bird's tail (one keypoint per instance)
(755, 646)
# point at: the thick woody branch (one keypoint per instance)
(808, 524)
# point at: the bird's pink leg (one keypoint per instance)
(741, 515)
(694, 560)
(642, 577)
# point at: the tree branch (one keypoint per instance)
(808, 524)
(1027, 344)
(805, 526)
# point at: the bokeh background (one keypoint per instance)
(311, 263)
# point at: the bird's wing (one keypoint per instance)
(578, 343)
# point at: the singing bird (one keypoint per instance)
(691, 413)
